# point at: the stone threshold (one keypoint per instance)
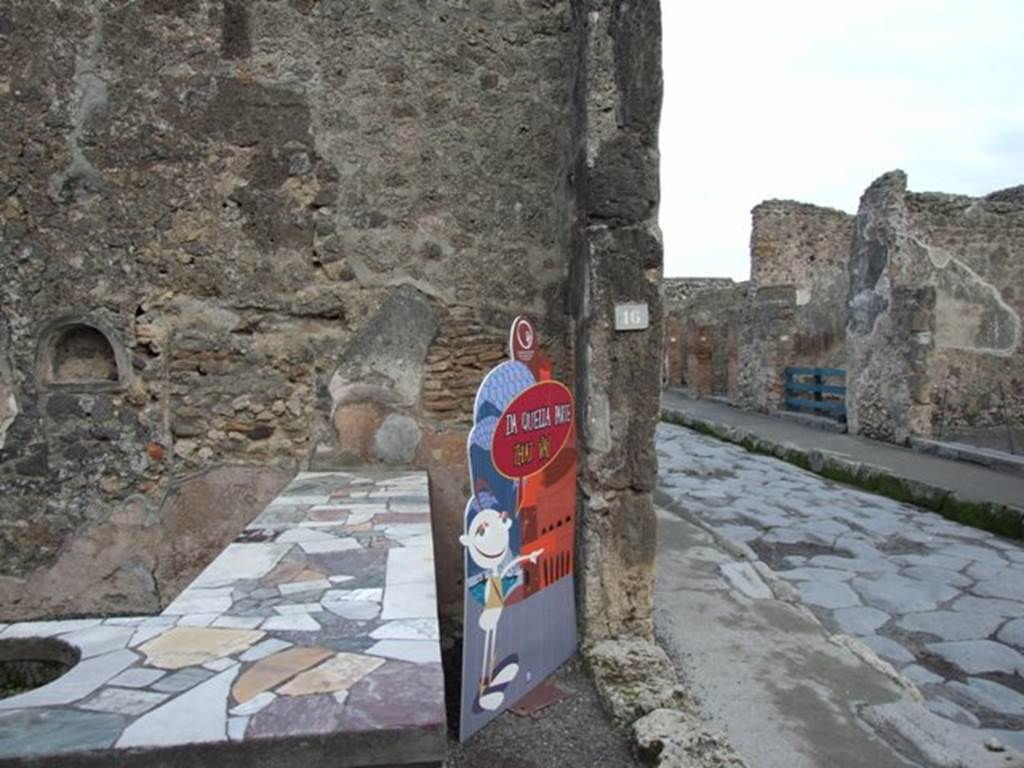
(311, 639)
(1003, 519)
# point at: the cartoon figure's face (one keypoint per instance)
(486, 538)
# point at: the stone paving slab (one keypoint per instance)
(942, 602)
(785, 692)
(271, 641)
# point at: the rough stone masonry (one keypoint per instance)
(241, 239)
(934, 330)
(918, 297)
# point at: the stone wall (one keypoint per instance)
(934, 334)
(766, 327)
(736, 344)
(241, 239)
(676, 292)
(618, 258)
(736, 341)
(806, 247)
(710, 340)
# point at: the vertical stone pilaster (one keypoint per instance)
(618, 259)
(881, 353)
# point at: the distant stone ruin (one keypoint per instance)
(918, 298)
(936, 297)
(737, 340)
(678, 292)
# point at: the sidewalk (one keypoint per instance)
(965, 492)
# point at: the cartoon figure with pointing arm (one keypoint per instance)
(517, 533)
(487, 542)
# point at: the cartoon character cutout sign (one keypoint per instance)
(520, 608)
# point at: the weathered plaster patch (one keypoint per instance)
(868, 306)
(972, 315)
(81, 179)
(8, 412)
(603, 101)
(940, 257)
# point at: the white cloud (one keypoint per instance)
(813, 100)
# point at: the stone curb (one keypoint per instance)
(808, 420)
(994, 460)
(641, 692)
(989, 516)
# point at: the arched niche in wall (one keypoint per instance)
(81, 354)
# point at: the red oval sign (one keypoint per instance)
(532, 430)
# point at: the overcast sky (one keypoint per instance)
(813, 100)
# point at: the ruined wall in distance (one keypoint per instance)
(710, 339)
(936, 303)
(766, 325)
(677, 291)
(737, 340)
(807, 247)
(799, 244)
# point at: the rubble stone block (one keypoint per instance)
(397, 440)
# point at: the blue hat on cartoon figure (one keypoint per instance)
(491, 489)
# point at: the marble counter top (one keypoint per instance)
(319, 620)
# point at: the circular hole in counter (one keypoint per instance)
(27, 663)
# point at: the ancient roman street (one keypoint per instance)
(907, 601)
(399, 384)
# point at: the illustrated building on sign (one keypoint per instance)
(518, 538)
(548, 513)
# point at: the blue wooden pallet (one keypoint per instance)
(825, 399)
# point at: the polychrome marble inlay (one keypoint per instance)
(320, 611)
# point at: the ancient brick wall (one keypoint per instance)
(935, 327)
(240, 239)
(459, 357)
(675, 350)
(700, 359)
